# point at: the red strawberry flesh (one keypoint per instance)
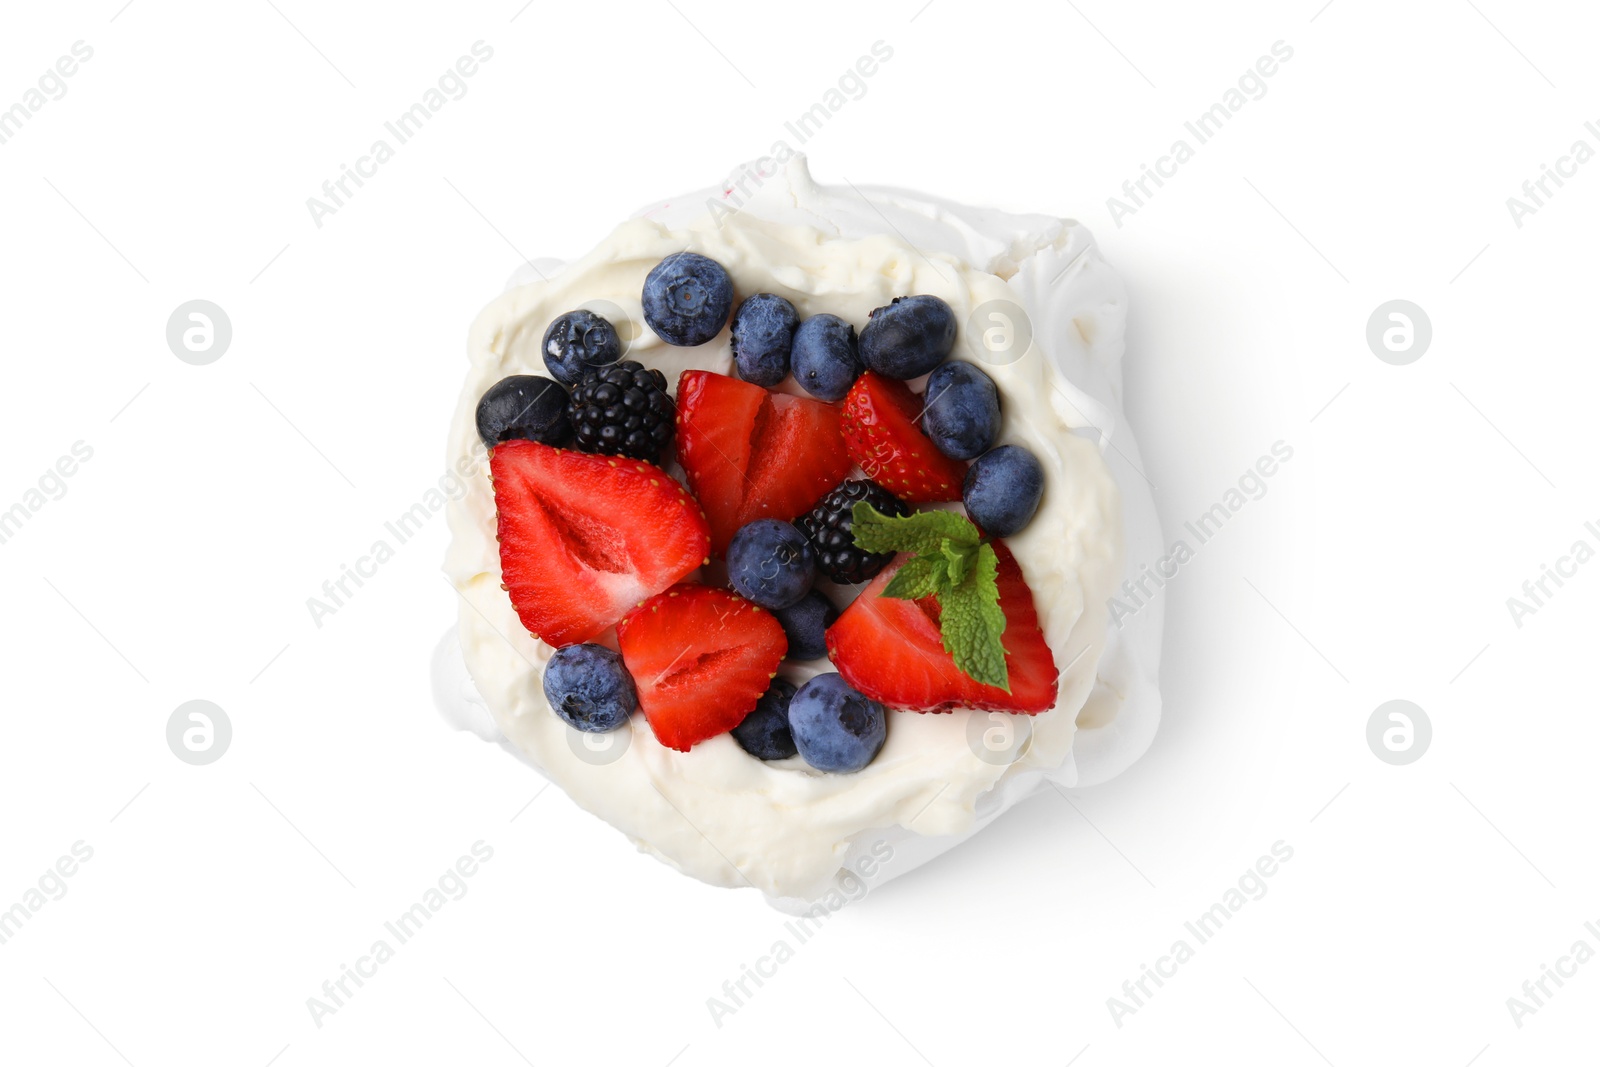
(881, 432)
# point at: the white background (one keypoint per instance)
(219, 498)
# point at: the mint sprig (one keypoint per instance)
(949, 561)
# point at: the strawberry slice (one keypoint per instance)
(751, 454)
(881, 432)
(584, 538)
(891, 650)
(700, 659)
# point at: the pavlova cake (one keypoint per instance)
(793, 517)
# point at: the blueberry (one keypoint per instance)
(524, 405)
(764, 733)
(908, 337)
(1002, 490)
(827, 360)
(588, 686)
(579, 341)
(805, 623)
(687, 298)
(763, 333)
(836, 728)
(770, 563)
(961, 410)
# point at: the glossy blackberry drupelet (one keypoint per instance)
(765, 733)
(579, 341)
(828, 526)
(763, 335)
(687, 298)
(827, 359)
(1003, 489)
(590, 688)
(805, 623)
(524, 406)
(836, 728)
(622, 410)
(771, 564)
(961, 410)
(908, 337)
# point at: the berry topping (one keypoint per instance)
(765, 731)
(826, 359)
(584, 538)
(579, 341)
(701, 658)
(763, 333)
(805, 623)
(892, 650)
(828, 526)
(771, 564)
(588, 686)
(750, 454)
(687, 298)
(960, 410)
(526, 406)
(1002, 490)
(623, 410)
(880, 429)
(835, 727)
(908, 337)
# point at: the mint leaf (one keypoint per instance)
(971, 622)
(918, 577)
(958, 560)
(919, 534)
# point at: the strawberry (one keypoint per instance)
(700, 659)
(584, 538)
(750, 454)
(891, 650)
(881, 432)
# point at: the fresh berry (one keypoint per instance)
(960, 410)
(588, 686)
(1002, 490)
(805, 623)
(908, 337)
(765, 731)
(763, 333)
(771, 564)
(579, 341)
(891, 650)
(525, 406)
(701, 658)
(830, 528)
(750, 454)
(584, 538)
(687, 298)
(835, 727)
(826, 359)
(622, 410)
(880, 429)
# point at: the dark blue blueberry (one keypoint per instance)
(1002, 490)
(764, 733)
(524, 405)
(588, 686)
(836, 728)
(579, 341)
(770, 563)
(687, 298)
(827, 360)
(806, 623)
(908, 337)
(763, 333)
(961, 410)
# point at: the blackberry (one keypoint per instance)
(622, 410)
(828, 527)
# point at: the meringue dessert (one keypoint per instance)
(792, 517)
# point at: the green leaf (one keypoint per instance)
(958, 560)
(918, 577)
(971, 623)
(919, 534)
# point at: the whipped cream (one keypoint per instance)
(715, 812)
